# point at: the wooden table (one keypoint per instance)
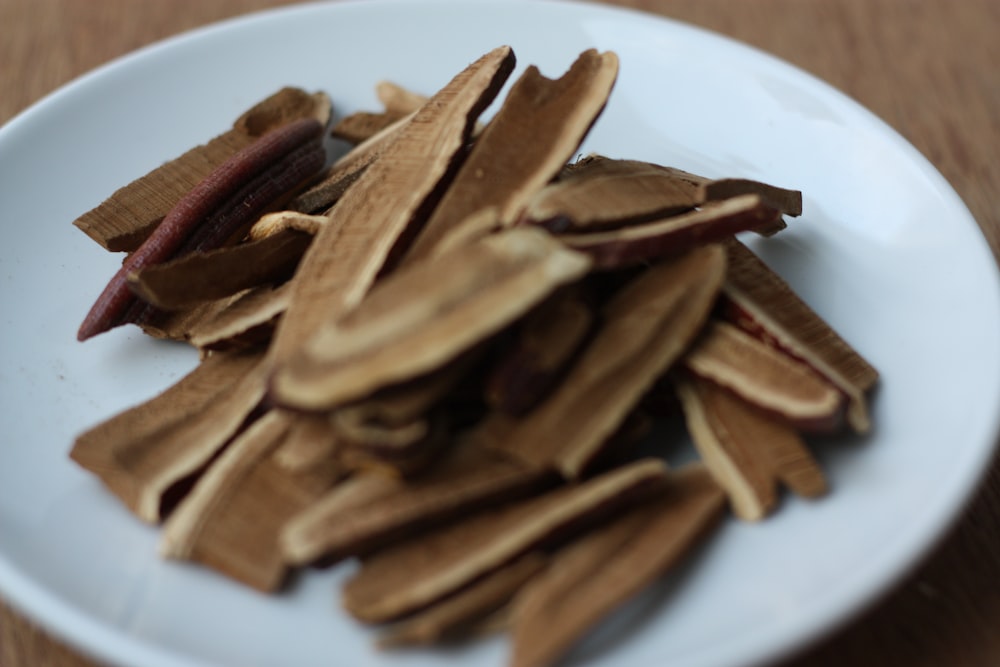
(928, 67)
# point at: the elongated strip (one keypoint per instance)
(214, 191)
(766, 377)
(245, 319)
(425, 315)
(232, 519)
(540, 125)
(405, 578)
(673, 235)
(347, 254)
(206, 276)
(463, 482)
(647, 326)
(594, 576)
(759, 301)
(547, 341)
(600, 193)
(457, 615)
(142, 452)
(126, 218)
(747, 451)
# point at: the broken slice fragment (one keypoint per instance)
(747, 451)
(414, 574)
(425, 315)
(599, 572)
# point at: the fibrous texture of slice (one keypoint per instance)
(412, 575)
(425, 315)
(599, 572)
(747, 451)
(647, 326)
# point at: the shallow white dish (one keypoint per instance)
(885, 251)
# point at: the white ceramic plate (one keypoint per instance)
(885, 250)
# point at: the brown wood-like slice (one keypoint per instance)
(759, 301)
(245, 319)
(124, 220)
(347, 255)
(600, 193)
(547, 341)
(669, 236)
(310, 443)
(646, 326)
(457, 616)
(537, 129)
(424, 315)
(143, 452)
(207, 276)
(463, 482)
(360, 126)
(397, 99)
(270, 224)
(232, 519)
(747, 451)
(410, 576)
(766, 377)
(594, 576)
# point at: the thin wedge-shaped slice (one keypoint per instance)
(457, 616)
(647, 326)
(637, 244)
(207, 276)
(537, 129)
(597, 574)
(360, 126)
(766, 377)
(397, 99)
(232, 519)
(747, 451)
(310, 443)
(248, 318)
(602, 193)
(142, 453)
(546, 342)
(425, 315)
(365, 225)
(465, 481)
(759, 301)
(787, 201)
(413, 575)
(124, 220)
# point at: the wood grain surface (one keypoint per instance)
(927, 67)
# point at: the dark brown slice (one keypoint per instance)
(646, 326)
(423, 316)
(415, 574)
(124, 220)
(762, 303)
(348, 254)
(747, 451)
(142, 453)
(232, 519)
(512, 159)
(594, 576)
(766, 377)
(207, 276)
(673, 235)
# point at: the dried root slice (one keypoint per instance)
(124, 220)
(547, 341)
(144, 454)
(207, 276)
(360, 126)
(592, 577)
(650, 241)
(761, 302)
(232, 519)
(310, 443)
(415, 574)
(647, 326)
(458, 616)
(397, 99)
(463, 482)
(747, 451)
(425, 315)
(599, 193)
(766, 377)
(512, 159)
(248, 318)
(374, 213)
(278, 222)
